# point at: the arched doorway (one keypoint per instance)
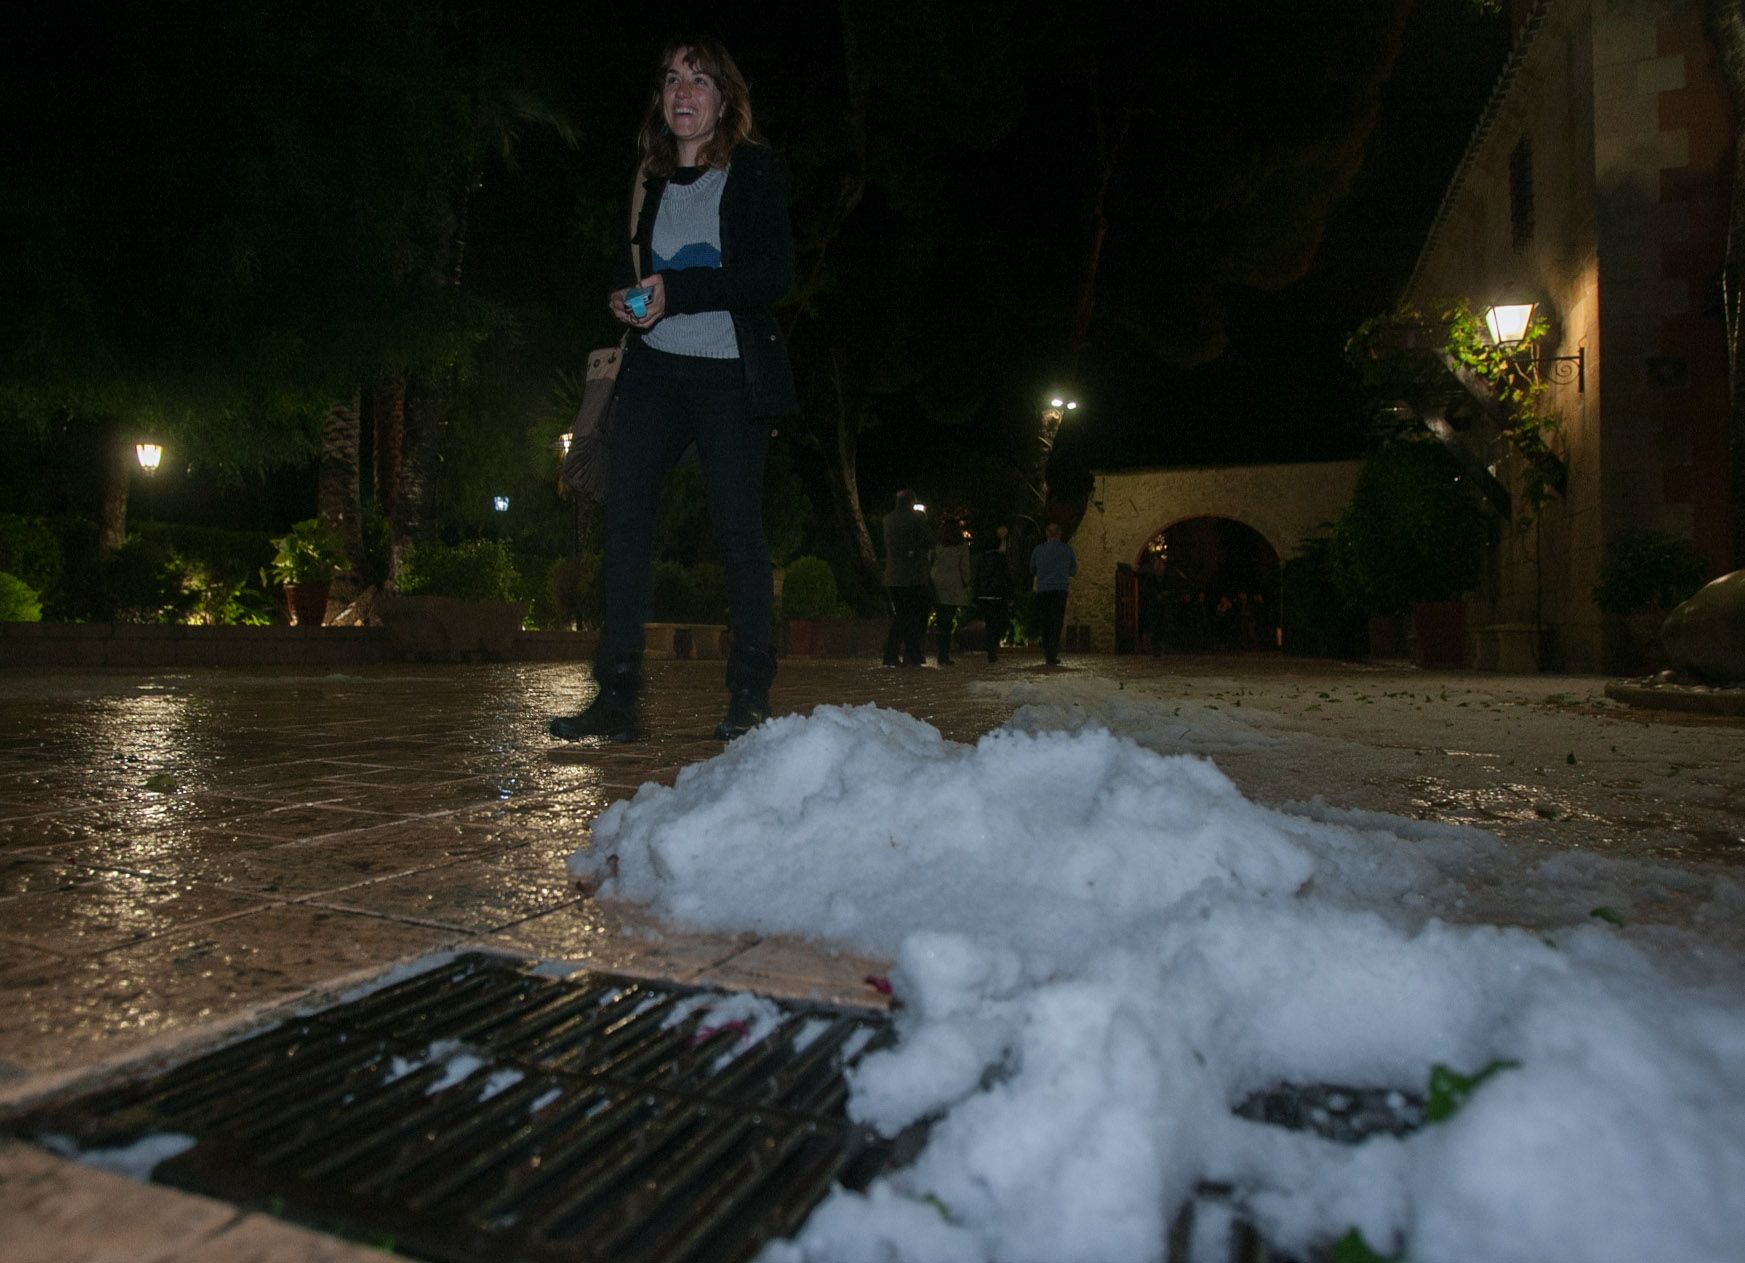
(1205, 584)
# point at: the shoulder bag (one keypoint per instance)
(585, 464)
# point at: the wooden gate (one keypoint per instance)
(1126, 608)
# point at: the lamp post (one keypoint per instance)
(1054, 411)
(1508, 323)
(150, 456)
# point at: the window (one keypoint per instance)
(1521, 194)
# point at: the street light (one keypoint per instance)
(1508, 323)
(150, 456)
(563, 442)
(1052, 416)
(500, 503)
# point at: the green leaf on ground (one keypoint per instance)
(1352, 1248)
(1570, 758)
(933, 1200)
(1449, 1089)
(162, 782)
(1608, 914)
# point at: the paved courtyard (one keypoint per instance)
(183, 852)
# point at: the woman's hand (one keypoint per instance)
(655, 309)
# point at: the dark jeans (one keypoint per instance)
(663, 403)
(944, 623)
(1051, 610)
(996, 610)
(908, 625)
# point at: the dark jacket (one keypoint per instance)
(756, 272)
(994, 576)
(908, 549)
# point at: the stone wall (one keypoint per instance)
(29, 645)
(1286, 504)
(1622, 109)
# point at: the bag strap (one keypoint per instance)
(638, 196)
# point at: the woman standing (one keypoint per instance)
(705, 363)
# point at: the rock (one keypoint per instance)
(1706, 635)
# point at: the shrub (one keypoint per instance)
(147, 581)
(1649, 570)
(310, 553)
(533, 588)
(18, 600)
(809, 589)
(1319, 618)
(1413, 531)
(220, 570)
(478, 570)
(574, 590)
(30, 552)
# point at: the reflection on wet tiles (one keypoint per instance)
(312, 820)
(478, 896)
(62, 1012)
(621, 938)
(801, 970)
(99, 909)
(57, 829)
(297, 870)
(21, 875)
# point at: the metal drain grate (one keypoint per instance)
(481, 1111)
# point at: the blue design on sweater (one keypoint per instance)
(696, 254)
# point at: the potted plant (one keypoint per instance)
(456, 602)
(808, 598)
(1646, 574)
(1412, 542)
(306, 561)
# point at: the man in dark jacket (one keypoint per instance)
(1054, 564)
(908, 563)
(994, 591)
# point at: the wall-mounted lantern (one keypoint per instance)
(1507, 324)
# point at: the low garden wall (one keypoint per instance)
(173, 645)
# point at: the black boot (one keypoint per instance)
(749, 672)
(615, 712)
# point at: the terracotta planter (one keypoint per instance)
(1439, 634)
(306, 603)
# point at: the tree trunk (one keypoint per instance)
(1725, 21)
(339, 499)
(388, 437)
(1108, 162)
(414, 520)
(845, 487)
(118, 464)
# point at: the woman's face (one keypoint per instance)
(691, 103)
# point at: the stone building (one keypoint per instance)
(1597, 185)
(1281, 506)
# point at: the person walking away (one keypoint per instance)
(704, 363)
(994, 590)
(1053, 564)
(952, 575)
(908, 562)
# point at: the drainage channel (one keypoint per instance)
(482, 1111)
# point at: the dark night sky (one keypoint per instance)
(1279, 391)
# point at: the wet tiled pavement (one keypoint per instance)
(183, 851)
